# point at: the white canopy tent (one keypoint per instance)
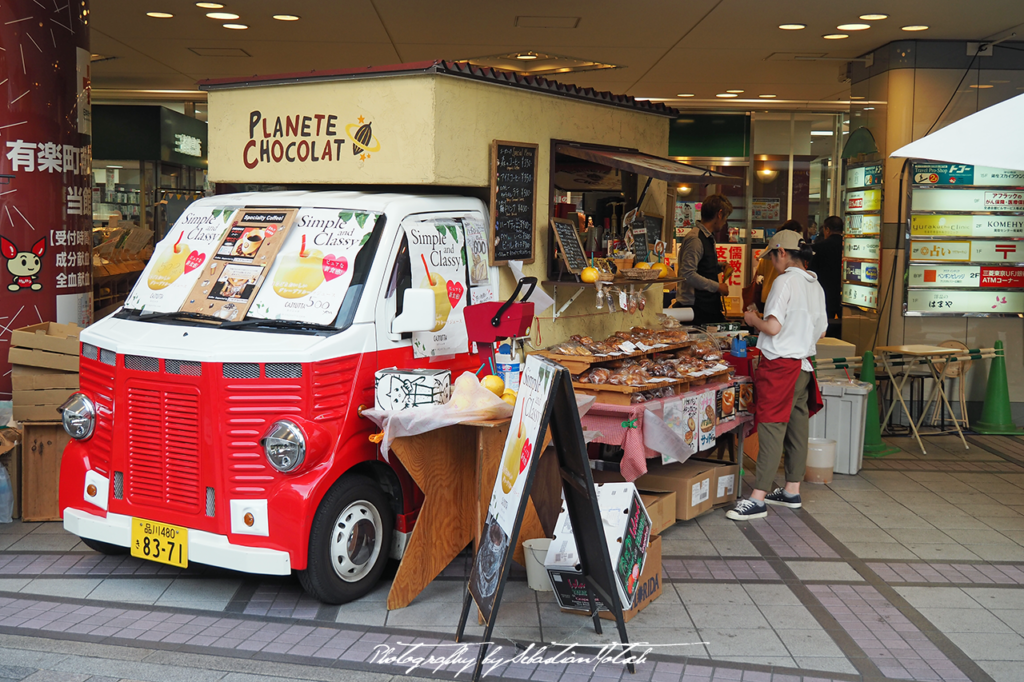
(992, 137)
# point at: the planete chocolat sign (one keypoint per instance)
(314, 137)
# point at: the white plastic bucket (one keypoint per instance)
(536, 551)
(821, 460)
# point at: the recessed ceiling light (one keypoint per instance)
(853, 27)
(226, 16)
(685, 94)
(525, 56)
(160, 15)
(735, 92)
(236, 27)
(915, 27)
(113, 166)
(869, 108)
(982, 87)
(873, 17)
(792, 27)
(209, 5)
(286, 17)
(821, 133)
(835, 36)
(725, 95)
(767, 96)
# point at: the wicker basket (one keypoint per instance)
(640, 273)
(605, 277)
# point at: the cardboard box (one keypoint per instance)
(661, 507)
(41, 358)
(724, 483)
(627, 528)
(36, 413)
(40, 379)
(400, 389)
(48, 336)
(570, 587)
(690, 480)
(50, 396)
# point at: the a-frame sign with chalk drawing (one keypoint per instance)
(545, 399)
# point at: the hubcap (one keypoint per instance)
(356, 541)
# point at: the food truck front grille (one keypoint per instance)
(183, 368)
(163, 447)
(97, 381)
(250, 408)
(241, 370)
(141, 363)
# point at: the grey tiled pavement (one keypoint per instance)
(912, 570)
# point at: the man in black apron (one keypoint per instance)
(701, 288)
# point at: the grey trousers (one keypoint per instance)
(790, 438)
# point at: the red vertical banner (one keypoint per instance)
(46, 154)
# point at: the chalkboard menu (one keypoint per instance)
(513, 200)
(653, 224)
(640, 251)
(569, 244)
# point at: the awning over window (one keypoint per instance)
(652, 166)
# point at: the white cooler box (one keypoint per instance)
(842, 420)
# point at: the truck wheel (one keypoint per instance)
(349, 542)
(104, 547)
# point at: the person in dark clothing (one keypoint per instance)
(827, 263)
(704, 277)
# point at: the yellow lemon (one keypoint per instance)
(509, 397)
(494, 384)
(589, 275)
(661, 268)
(643, 265)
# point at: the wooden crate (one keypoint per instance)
(41, 448)
(11, 460)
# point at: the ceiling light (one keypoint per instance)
(821, 133)
(853, 27)
(227, 16)
(209, 5)
(236, 27)
(526, 56)
(981, 87)
(726, 95)
(685, 94)
(873, 17)
(113, 166)
(792, 27)
(835, 36)
(869, 108)
(735, 92)
(767, 96)
(915, 27)
(767, 175)
(286, 17)
(160, 15)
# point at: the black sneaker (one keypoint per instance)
(780, 498)
(746, 510)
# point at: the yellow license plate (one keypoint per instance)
(160, 542)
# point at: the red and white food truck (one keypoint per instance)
(218, 418)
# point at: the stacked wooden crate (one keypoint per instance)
(44, 369)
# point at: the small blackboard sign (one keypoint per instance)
(640, 251)
(653, 224)
(569, 244)
(513, 201)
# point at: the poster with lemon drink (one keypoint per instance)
(437, 248)
(313, 269)
(178, 259)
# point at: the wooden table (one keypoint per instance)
(908, 356)
(455, 467)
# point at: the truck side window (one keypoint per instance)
(401, 279)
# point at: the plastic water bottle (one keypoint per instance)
(6, 497)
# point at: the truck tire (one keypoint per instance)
(349, 542)
(104, 547)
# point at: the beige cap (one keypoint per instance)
(786, 240)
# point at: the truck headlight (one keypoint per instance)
(78, 415)
(284, 446)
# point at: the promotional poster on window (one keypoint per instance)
(180, 258)
(437, 249)
(313, 269)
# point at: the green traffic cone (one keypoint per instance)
(995, 413)
(874, 446)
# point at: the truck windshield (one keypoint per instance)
(301, 289)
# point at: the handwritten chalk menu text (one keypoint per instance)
(569, 245)
(513, 201)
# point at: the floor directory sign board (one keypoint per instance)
(965, 241)
(862, 244)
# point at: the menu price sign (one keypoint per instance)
(984, 226)
(569, 245)
(513, 201)
(964, 174)
(864, 297)
(924, 301)
(640, 246)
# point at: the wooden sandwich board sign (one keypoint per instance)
(545, 399)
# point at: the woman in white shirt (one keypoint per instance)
(785, 387)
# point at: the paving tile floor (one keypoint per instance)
(911, 570)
